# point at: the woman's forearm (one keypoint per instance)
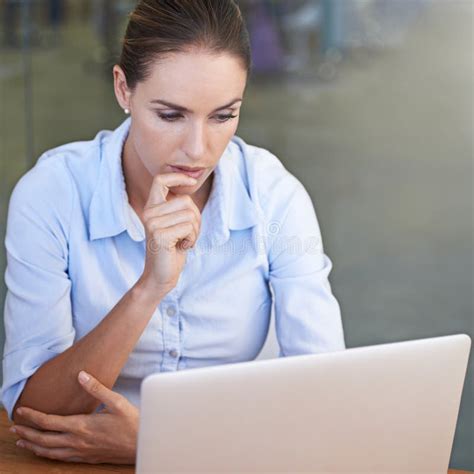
(54, 387)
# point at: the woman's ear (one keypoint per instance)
(122, 92)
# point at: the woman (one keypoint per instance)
(154, 247)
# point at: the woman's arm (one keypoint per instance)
(307, 314)
(53, 388)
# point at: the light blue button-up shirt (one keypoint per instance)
(75, 246)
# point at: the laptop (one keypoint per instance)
(383, 408)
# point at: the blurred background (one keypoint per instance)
(368, 102)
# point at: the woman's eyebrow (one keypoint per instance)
(184, 109)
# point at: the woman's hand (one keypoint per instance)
(109, 436)
(172, 226)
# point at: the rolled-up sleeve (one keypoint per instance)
(37, 313)
(307, 315)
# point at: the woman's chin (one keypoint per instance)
(181, 190)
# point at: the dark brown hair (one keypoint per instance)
(157, 28)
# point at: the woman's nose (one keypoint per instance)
(196, 142)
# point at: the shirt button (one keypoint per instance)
(173, 353)
(171, 311)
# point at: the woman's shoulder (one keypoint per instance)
(80, 159)
(269, 182)
(52, 184)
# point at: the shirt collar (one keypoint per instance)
(106, 210)
(229, 206)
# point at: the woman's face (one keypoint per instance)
(186, 112)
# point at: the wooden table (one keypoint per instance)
(14, 460)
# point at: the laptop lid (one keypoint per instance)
(389, 407)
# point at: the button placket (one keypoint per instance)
(171, 355)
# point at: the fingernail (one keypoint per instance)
(19, 411)
(20, 443)
(13, 429)
(83, 377)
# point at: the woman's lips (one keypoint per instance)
(194, 174)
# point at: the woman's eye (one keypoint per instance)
(174, 117)
(225, 118)
(169, 117)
